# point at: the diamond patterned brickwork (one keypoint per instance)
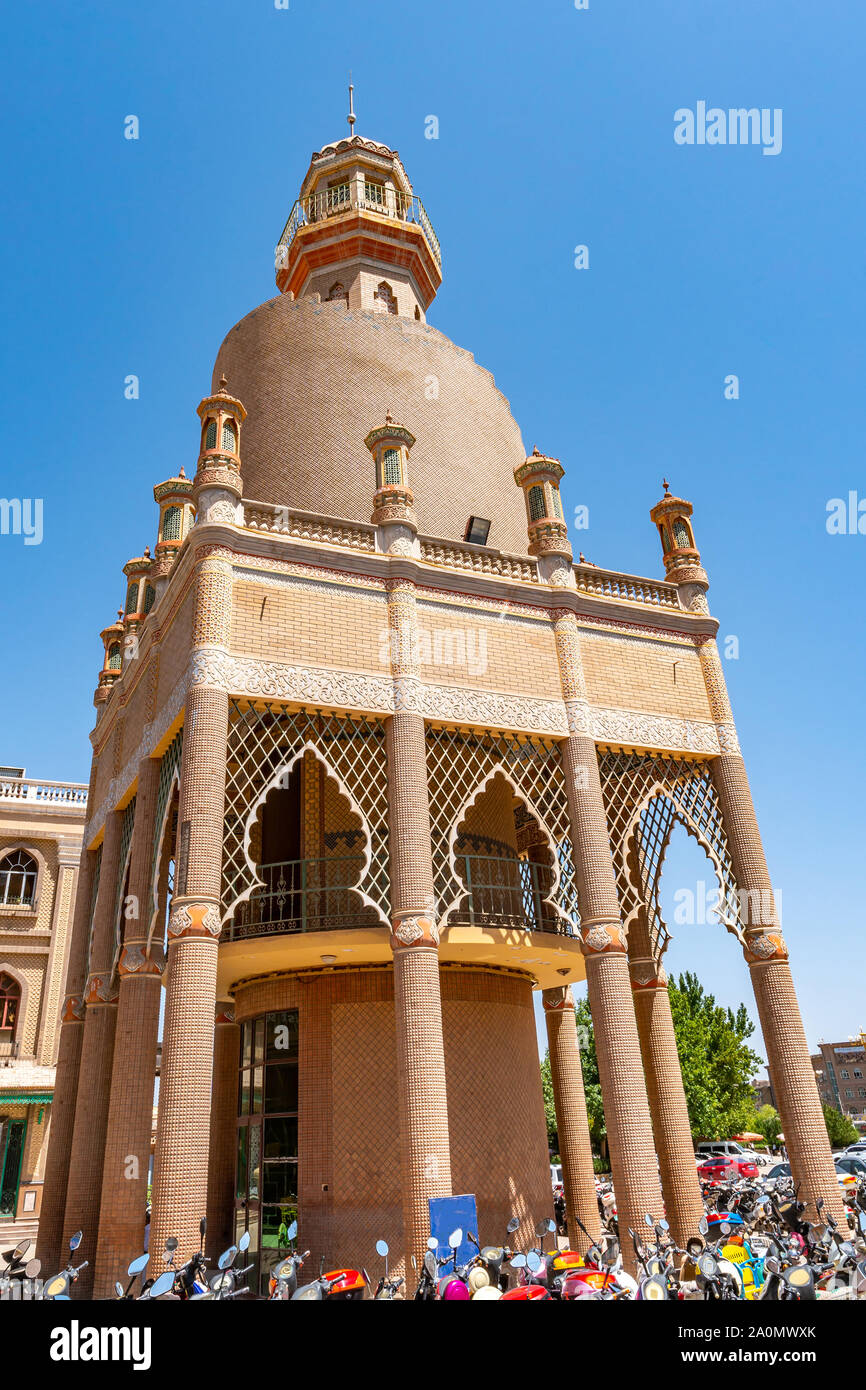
(495, 1103)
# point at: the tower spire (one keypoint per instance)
(351, 116)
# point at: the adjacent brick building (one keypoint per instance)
(41, 826)
(373, 761)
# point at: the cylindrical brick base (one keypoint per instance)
(572, 1124)
(626, 1109)
(425, 1157)
(49, 1243)
(803, 1122)
(181, 1164)
(88, 1138)
(223, 1134)
(670, 1117)
(130, 1119)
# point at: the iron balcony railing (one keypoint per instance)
(342, 199)
(506, 893)
(304, 895)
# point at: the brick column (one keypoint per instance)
(572, 1124)
(50, 1237)
(84, 1187)
(767, 957)
(183, 1127)
(664, 1082)
(425, 1153)
(790, 1069)
(626, 1108)
(223, 1129)
(130, 1109)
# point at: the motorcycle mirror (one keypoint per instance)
(541, 1228)
(171, 1244)
(21, 1250)
(118, 1288)
(518, 1262)
(725, 1228)
(227, 1257)
(244, 1242)
(430, 1264)
(414, 1263)
(162, 1285)
(137, 1266)
(76, 1240)
(292, 1232)
(382, 1248)
(703, 1226)
(551, 1226)
(648, 1221)
(32, 1268)
(202, 1227)
(513, 1225)
(56, 1287)
(820, 1202)
(665, 1225)
(432, 1243)
(533, 1261)
(456, 1237)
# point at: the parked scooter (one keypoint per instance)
(17, 1269)
(58, 1286)
(387, 1289)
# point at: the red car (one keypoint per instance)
(722, 1166)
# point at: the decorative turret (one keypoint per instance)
(539, 477)
(176, 512)
(217, 488)
(393, 502)
(112, 665)
(358, 235)
(140, 593)
(672, 516)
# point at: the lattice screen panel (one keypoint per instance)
(97, 869)
(645, 796)
(458, 762)
(264, 738)
(169, 766)
(126, 825)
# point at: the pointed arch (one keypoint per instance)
(551, 899)
(276, 780)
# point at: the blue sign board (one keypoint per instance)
(446, 1214)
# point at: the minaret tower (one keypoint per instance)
(358, 235)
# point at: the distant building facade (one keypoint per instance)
(840, 1069)
(41, 827)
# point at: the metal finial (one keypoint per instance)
(351, 106)
(666, 485)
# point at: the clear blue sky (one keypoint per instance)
(556, 129)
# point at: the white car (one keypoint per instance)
(555, 1175)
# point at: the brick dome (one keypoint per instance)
(315, 378)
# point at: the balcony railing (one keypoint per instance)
(336, 202)
(29, 789)
(506, 893)
(302, 895)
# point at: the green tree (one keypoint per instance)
(549, 1110)
(768, 1122)
(715, 1059)
(839, 1128)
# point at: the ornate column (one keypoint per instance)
(130, 1107)
(626, 1108)
(223, 1129)
(66, 1076)
(183, 1126)
(424, 1136)
(766, 955)
(572, 1124)
(664, 1082)
(84, 1186)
